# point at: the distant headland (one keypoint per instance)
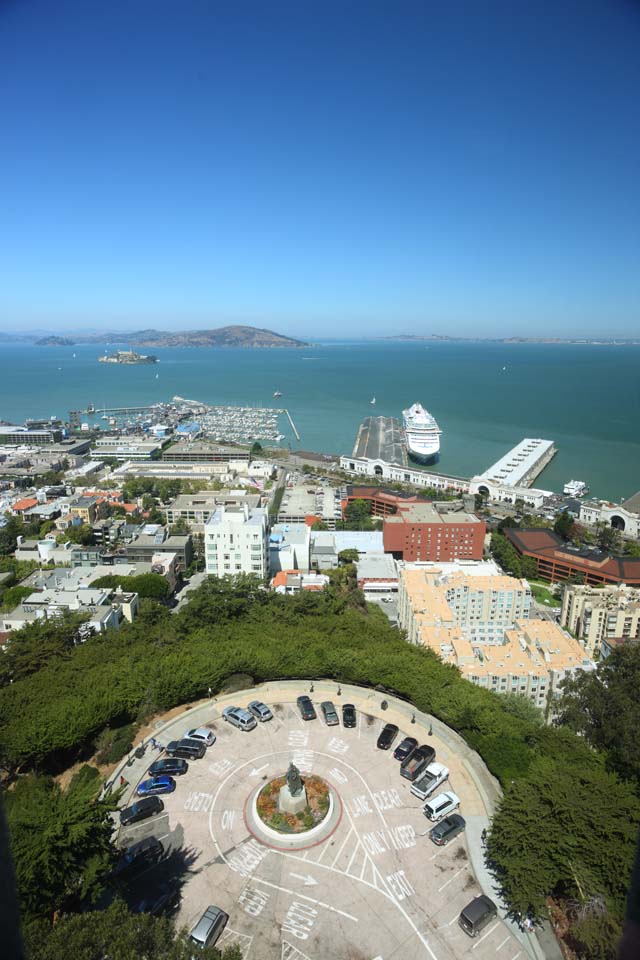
(439, 338)
(231, 336)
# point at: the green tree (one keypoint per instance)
(632, 548)
(564, 524)
(40, 643)
(114, 933)
(348, 556)
(603, 706)
(15, 595)
(81, 534)
(608, 538)
(150, 585)
(256, 449)
(61, 843)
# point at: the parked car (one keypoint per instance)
(239, 717)
(202, 735)
(155, 785)
(348, 715)
(441, 806)
(405, 748)
(429, 781)
(140, 810)
(306, 708)
(209, 927)
(186, 749)
(417, 762)
(139, 855)
(162, 901)
(476, 915)
(260, 711)
(387, 736)
(447, 829)
(329, 712)
(172, 766)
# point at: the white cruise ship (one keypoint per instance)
(422, 434)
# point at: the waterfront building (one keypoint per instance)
(624, 517)
(30, 437)
(236, 541)
(125, 448)
(557, 562)
(186, 451)
(433, 531)
(598, 614)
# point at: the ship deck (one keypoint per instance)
(381, 438)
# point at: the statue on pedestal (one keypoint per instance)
(294, 780)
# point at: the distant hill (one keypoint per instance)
(54, 342)
(232, 336)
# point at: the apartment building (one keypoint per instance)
(595, 615)
(236, 541)
(480, 624)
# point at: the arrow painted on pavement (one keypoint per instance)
(307, 880)
(257, 770)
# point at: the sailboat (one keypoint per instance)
(372, 401)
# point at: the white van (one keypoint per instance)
(441, 806)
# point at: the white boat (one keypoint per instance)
(372, 401)
(277, 393)
(576, 488)
(422, 434)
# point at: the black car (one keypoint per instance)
(171, 766)
(306, 708)
(388, 735)
(405, 748)
(140, 810)
(161, 902)
(139, 855)
(186, 749)
(348, 715)
(447, 829)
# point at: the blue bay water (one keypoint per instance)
(585, 398)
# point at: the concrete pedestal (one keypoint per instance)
(289, 804)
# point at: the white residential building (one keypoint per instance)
(236, 542)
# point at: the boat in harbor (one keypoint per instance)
(422, 434)
(372, 401)
(277, 393)
(576, 488)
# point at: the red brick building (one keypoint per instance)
(422, 531)
(556, 561)
(384, 502)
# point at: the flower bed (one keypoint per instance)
(313, 814)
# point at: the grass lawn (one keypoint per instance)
(542, 594)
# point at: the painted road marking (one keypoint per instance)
(253, 901)
(227, 819)
(400, 886)
(451, 879)
(506, 940)
(299, 920)
(258, 770)
(336, 745)
(342, 847)
(198, 802)
(146, 823)
(220, 768)
(487, 934)
(307, 879)
(302, 896)
(338, 775)
(289, 952)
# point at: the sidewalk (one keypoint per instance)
(398, 711)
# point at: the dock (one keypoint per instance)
(293, 426)
(381, 438)
(521, 465)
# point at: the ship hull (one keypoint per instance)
(424, 458)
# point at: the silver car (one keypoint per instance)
(239, 718)
(329, 712)
(260, 711)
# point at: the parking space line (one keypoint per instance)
(147, 823)
(359, 723)
(451, 879)
(517, 955)
(325, 847)
(342, 847)
(451, 922)
(364, 867)
(434, 856)
(506, 940)
(355, 850)
(487, 934)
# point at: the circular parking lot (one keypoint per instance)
(373, 887)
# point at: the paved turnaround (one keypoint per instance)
(376, 888)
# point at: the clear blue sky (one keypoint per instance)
(321, 168)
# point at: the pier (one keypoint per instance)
(119, 411)
(381, 438)
(521, 465)
(293, 426)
